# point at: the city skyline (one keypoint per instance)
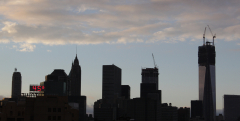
(135, 92)
(124, 34)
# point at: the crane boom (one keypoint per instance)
(214, 36)
(155, 66)
(210, 30)
(204, 36)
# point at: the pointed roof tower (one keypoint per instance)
(76, 62)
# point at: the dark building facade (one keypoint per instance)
(183, 114)
(150, 75)
(16, 84)
(196, 108)
(144, 109)
(207, 78)
(231, 107)
(125, 91)
(56, 83)
(146, 88)
(169, 112)
(40, 108)
(111, 83)
(74, 82)
(79, 103)
(104, 112)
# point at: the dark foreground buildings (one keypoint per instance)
(116, 103)
(207, 78)
(231, 107)
(40, 108)
(196, 108)
(57, 98)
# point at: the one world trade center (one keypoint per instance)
(207, 79)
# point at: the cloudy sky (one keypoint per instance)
(37, 36)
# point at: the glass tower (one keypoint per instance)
(207, 78)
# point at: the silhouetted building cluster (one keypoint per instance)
(59, 97)
(116, 103)
(59, 92)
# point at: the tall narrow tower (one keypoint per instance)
(74, 83)
(207, 78)
(16, 84)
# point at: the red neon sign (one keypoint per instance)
(37, 88)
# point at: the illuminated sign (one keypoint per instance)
(37, 88)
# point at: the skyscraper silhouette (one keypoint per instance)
(74, 84)
(55, 83)
(207, 86)
(150, 75)
(16, 84)
(111, 83)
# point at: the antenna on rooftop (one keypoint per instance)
(76, 50)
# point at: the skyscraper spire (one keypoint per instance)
(75, 78)
(76, 50)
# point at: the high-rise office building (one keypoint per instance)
(74, 84)
(150, 75)
(111, 83)
(125, 91)
(106, 109)
(56, 83)
(231, 107)
(207, 86)
(16, 84)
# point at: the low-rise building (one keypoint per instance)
(41, 108)
(169, 112)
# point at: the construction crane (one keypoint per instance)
(155, 65)
(214, 36)
(204, 36)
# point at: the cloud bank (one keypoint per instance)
(54, 22)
